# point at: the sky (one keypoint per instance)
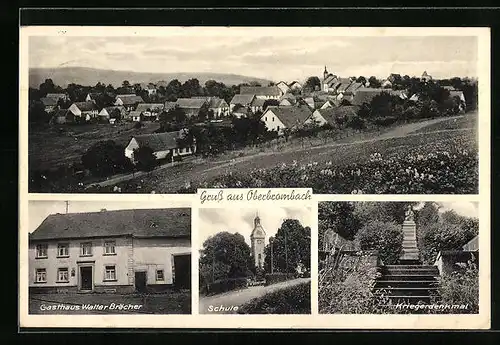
(466, 209)
(40, 209)
(214, 220)
(279, 57)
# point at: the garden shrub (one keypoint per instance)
(461, 287)
(385, 237)
(224, 285)
(291, 300)
(273, 278)
(346, 287)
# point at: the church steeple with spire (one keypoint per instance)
(258, 242)
(325, 73)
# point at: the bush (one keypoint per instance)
(224, 285)
(386, 237)
(145, 158)
(106, 158)
(461, 288)
(291, 300)
(274, 278)
(346, 287)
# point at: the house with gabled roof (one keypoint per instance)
(191, 106)
(330, 115)
(279, 118)
(163, 145)
(217, 105)
(92, 96)
(244, 100)
(150, 111)
(264, 92)
(84, 111)
(49, 104)
(283, 87)
(58, 96)
(129, 101)
(257, 104)
(113, 112)
(295, 85)
(122, 251)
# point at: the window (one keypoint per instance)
(86, 249)
(62, 250)
(273, 118)
(109, 248)
(265, 118)
(110, 273)
(41, 250)
(41, 275)
(159, 275)
(278, 128)
(62, 275)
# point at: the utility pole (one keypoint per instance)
(271, 244)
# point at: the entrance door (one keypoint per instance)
(140, 281)
(182, 265)
(86, 282)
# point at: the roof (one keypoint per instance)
(290, 116)
(290, 100)
(151, 106)
(260, 90)
(330, 79)
(161, 83)
(93, 95)
(456, 93)
(85, 106)
(134, 113)
(130, 99)
(191, 103)
(242, 99)
(213, 101)
(353, 87)
(158, 141)
(170, 222)
(169, 105)
(109, 110)
(49, 101)
(330, 114)
(56, 95)
(258, 102)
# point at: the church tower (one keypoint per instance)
(258, 242)
(325, 74)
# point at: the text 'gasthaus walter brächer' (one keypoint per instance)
(244, 195)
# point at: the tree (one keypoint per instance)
(291, 248)
(172, 118)
(191, 88)
(374, 82)
(144, 158)
(356, 123)
(173, 90)
(339, 217)
(37, 113)
(313, 83)
(126, 84)
(369, 212)
(427, 215)
(204, 113)
(106, 158)
(230, 250)
(46, 87)
(361, 80)
(384, 237)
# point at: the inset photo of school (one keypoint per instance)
(398, 258)
(109, 257)
(255, 261)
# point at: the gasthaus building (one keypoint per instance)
(125, 251)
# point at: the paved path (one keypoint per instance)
(240, 297)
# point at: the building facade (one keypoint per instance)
(123, 251)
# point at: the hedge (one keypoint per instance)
(274, 278)
(291, 300)
(224, 285)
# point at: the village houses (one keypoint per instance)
(49, 104)
(164, 145)
(244, 100)
(263, 92)
(113, 112)
(329, 116)
(217, 105)
(150, 111)
(124, 251)
(129, 101)
(84, 110)
(280, 118)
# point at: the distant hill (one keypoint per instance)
(91, 76)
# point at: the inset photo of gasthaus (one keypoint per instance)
(255, 261)
(92, 257)
(398, 258)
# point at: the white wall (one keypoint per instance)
(129, 150)
(317, 117)
(272, 122)
(154, 254)
(52, 262)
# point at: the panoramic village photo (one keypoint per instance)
(398, 258)
(255, 261)
(174, 113)
(93, 257)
